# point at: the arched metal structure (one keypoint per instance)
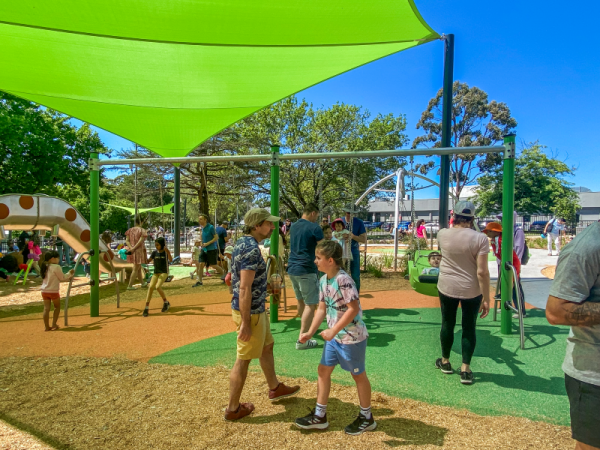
(400, 174)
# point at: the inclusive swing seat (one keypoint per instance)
(423, 284)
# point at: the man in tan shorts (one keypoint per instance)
(249, 282)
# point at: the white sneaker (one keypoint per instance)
(516, 316)
(311, 343)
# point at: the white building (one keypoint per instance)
(383, 211)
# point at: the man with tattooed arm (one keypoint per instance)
(575, 300)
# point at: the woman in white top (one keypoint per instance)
(464, 279)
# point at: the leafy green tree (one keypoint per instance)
(540, 186)
(40, 149)
(476, 121)
(299, 128)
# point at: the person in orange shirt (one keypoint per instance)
(493, 230)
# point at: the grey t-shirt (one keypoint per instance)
(578, 280)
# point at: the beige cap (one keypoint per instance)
(258, 215)
(229, 249)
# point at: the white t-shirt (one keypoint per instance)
(54, 276)
(458, 269)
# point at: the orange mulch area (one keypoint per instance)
(195, 314)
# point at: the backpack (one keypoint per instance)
(525, 258)
(550, 226)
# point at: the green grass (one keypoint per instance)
(402, 349)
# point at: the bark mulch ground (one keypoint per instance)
(196, 313)
(96, 403)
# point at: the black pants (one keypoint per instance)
(470, 309)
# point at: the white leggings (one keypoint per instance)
(556, 239)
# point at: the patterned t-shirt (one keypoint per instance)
(246, 256)
(337, 292)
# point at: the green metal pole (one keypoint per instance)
(446, 128)
(94, 236)
(274, 311)
(508, 206)
(177, 211)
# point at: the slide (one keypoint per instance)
(40, 212)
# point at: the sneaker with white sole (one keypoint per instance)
(444, 367)
(466, 377)
(516, 316)
(312, 422)
(360, 425)
(311, 343)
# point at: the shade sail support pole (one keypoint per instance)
(446, 128)
(94, 235)
(176, 210)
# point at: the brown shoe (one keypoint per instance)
(282, 391)
(243, 410)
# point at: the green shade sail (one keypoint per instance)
(170, 74)
(166, 209)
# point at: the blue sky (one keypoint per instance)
(539, 57)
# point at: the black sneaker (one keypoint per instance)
(444, 367)
(166, 306)
(198, 283)
(466, 377)
(145, 314)
(312, 422)
(360, 425)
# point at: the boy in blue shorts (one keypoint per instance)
(345, 340)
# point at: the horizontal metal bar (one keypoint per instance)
(312, 156)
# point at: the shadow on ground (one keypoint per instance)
(339, 414)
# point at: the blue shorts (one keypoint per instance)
(306, 288)
(350, 357)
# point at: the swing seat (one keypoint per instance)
(423, 284)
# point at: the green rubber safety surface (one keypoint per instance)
(402, 349)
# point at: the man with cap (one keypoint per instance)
(358, 234)
(304, 237)
(249, 281)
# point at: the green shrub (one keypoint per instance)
(374, 270)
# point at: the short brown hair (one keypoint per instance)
(310, 208)
(330, 249)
